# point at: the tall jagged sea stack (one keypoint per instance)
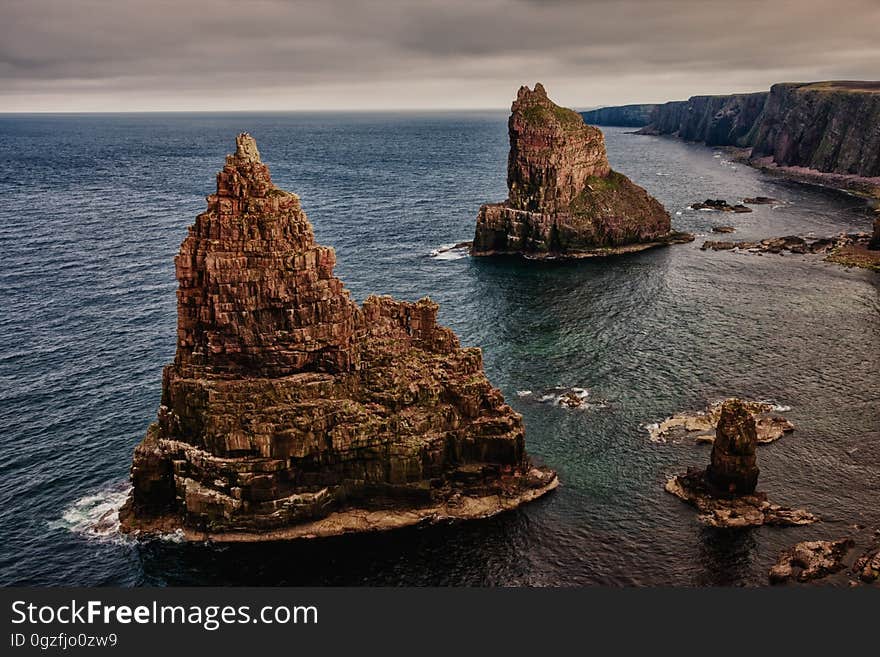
(564, 200)
(290, 411)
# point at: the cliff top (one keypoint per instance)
(536, 108)
(856, 86)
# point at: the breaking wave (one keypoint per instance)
(450, 252)
(96, 516)
(574, 397)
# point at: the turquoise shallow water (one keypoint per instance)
(93, 211)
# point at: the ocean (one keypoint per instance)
(93, 209)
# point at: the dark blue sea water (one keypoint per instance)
(92, 211)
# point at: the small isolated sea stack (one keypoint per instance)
(290, 411)
(564, 199)
(724, 493)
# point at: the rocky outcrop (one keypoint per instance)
(852, 560)
(719, 205)
(724, 493)
(734, 465)
(291, 411)
(867, 566)
(627, 116)
(701, 426)
(564, 199)
(875, 237)
(811, 560)
(713, 120)
(847, 249)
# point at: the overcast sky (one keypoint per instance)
(121, 55)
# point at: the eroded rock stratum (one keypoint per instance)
(291, 411)
(564, 199)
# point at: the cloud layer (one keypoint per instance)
(93, 55)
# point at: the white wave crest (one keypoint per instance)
(449, 252)
(96, 516)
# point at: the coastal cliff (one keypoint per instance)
(627, 116)
(828, 126)
(825, 132)
(291, 411)
(564, 200)
(714, 120)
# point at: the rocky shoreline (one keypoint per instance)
(459, 504)
(700, 426)
(849, 249)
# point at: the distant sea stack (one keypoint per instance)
(825, 132)
(564, 200)
(290, 411)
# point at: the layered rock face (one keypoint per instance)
(564, 199)
(827, 126)
(291, 411)
(733, 467)
(724, 493)
(714, 120)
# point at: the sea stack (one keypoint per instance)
(564, 200)
(724, 493)
(290, 411)
(733, 467)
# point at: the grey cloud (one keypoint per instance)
(396, 53)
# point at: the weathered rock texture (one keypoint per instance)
(734, 463)
(847, 249)
(724, 493)
(795, 128)
(291, 411)
(564, 199)
(849, 561)
(627, 116)
(714, 120)
(701, 426)
(828, 126)
(867, 566)
(811, 560)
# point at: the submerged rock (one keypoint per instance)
(717, 510)
(723, 229)
(848, 249)
(761, 200)
(724, 493)
(564, 200)
(574, 398)
(701, 425)
(720, 205)
(290, 411)
(867, 566)
(811, 560)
